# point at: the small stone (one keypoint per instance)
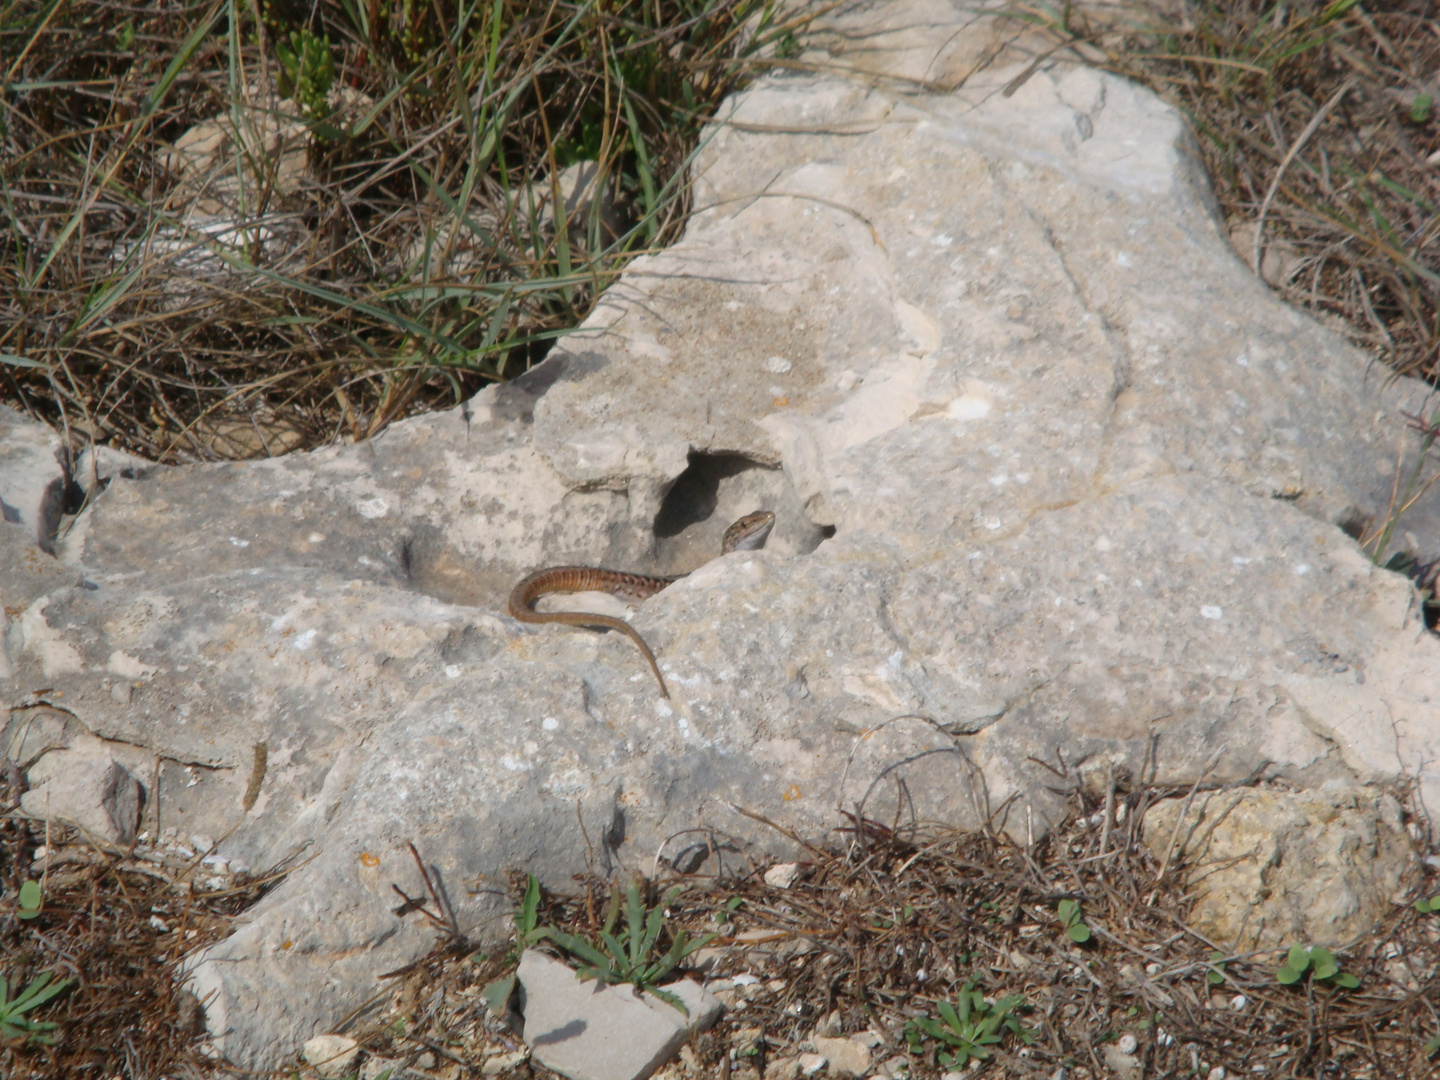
(1123, 1066)
(332, 1055)
(810, 1064)
(747, 1038)
(829, 1026)
(1238, 1002)
(590, 1032)
(782, 1069)
(1127, 1044)
(869, 1038)
(782, 875)
(896, 1067)
(425, 1061)
(505, 1062)
(1217, 1073)
(90, 790)
(847, 1057)
(375, 1067)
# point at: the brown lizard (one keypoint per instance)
(747, 534)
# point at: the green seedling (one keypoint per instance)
(497, 994)
(1216, 975)
(1421, 108)
(632, 957)
(14, 1024)
(968, 1027)
(307, 71)
(1428, 907)
(1319, 963)
(31, 900)
(1072, 919)
(1432, 1047)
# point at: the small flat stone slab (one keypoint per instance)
(589, 1031)
(88, 789)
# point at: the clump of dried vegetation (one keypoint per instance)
(113, 926)
(233, 229)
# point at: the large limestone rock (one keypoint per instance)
(1059, 484)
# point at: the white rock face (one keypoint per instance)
(1060, 486)
(332, 1055)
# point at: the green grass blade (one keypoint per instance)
(653, 925)
(669, 998)
(578, 947)
(529, 906)
(37, 993)
(148, 106)
(635, 923)
(649, 199)
(22, 361)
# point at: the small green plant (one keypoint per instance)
(1319, 963)
(968, 1026)
(1216, 975)
(497, 994)
(1432, 1047)
(787, 46)
(1073, 920)
(1421, 108)
(1428, 907)
(31, 900)
(307, 71)
(14, 1024)
(633, 957)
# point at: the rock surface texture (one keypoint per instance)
(1272, 868)
(589, 1031)
(1061, 488)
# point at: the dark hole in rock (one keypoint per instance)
(717, 489)
(696, 494)
(1353, 522)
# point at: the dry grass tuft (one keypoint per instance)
(233, 229)
(118, 923)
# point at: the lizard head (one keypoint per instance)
(749, 533)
